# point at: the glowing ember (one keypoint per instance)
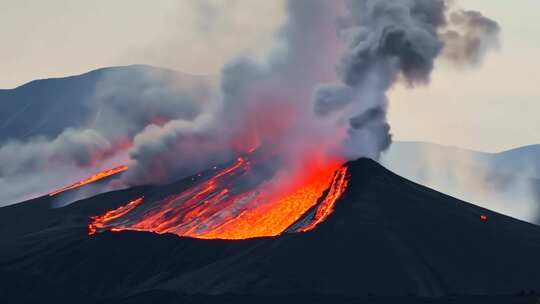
(91, 179)
(98, 222)
(234, 204)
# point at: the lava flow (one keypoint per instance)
(235, 203)
(326, 207)
(99, 222)
(91, 179)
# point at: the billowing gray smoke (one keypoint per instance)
(166, 130)
(22, 164)
(256, 101)
(391, 41)
(384, 42)
(55, 132)
(469, 36)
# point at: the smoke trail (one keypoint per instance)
(392, 41)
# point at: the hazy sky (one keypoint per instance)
(491, 108)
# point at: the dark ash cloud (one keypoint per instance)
(395, 41)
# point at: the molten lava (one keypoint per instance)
(326, 207)
(235, 203)
(92, 179)
(99, 222)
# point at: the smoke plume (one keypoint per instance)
(260, 104)
(88, 125)
(395, 41)
(321, 93)
(265, 105)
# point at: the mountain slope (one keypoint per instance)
(49, 106)
(387, 236)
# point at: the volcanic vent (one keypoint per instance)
(245, 199)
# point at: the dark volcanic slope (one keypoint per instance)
(388, 236)
(508, 182)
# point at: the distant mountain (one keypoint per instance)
(508, 182)
(387, 237)
(523, 161)
(49, 106)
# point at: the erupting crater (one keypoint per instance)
(236, 202)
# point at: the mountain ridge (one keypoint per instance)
(47, 107)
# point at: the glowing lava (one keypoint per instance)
(326, 207)
(234, 203)
(98, 222)
(91, 179)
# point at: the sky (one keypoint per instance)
(490, 108)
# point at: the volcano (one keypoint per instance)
(386, 236)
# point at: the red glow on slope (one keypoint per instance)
(229, 205)
(92, 179)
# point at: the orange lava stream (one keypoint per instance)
(227, 206)
(91, 179)
(339, 184)
(271, 213)
(100, 221)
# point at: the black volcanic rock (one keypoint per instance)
(387, 237)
